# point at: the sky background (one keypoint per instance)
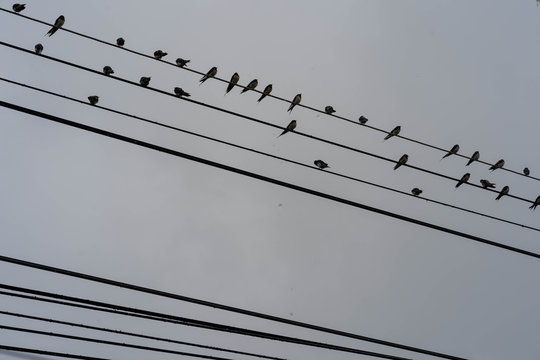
(448, 72)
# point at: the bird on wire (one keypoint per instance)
(57, 25)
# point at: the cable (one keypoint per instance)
(120, 332)
(259, 121)
(48, 353)
(270, 155)
(260, 92)
(205, 324)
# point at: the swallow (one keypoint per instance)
(93, 99)
(416, 191)
(181, 62)
(267, 90)
(295, 101)
(120, 41)
(499, 164)
(394, 132)
(252, 85)
(452, 151)
(38, 48)
(107, 70)
(487, 184)
(158, 54)
(463, 179)
(18, 7)
(234, 81)
(320, 164)
(179, 92)
(57, 25)
(211, 73)
(475, 156)
(402, 160)
(363, 120)
(535, 204)
(145, 81)
(526, 171)
(503, 192)
(290, 127)
(329, 110)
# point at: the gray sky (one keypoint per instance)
(448, 72)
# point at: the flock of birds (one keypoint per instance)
(159, 54)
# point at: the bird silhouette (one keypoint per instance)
(535, 204)
(475, 156)
(363, 120)
(120, 41)
(526, 171)
(57, 25)
(503, 192)
(394, 132)
(267, 90)
(499, 164)
(38, 48)
(452, 151)
(179, 92)
(93, 99)
(402, 160)
(145, 81)
(487, 184)
(158, 54)
(18, 7)
(329, 110)
(463, 179)
(107, 70)
(416, 191)
(234, 81)
(295, 101)
(290, 127)
(320, 164)
(181, 62)
(252, 85)
(211, 73)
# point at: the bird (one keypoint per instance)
(144, 81)
(452, 151)
(487, 184)
(290, 127)
(363, 120)
(394, 132)
(57, 25)
(234, 80)
(463, 179)
(320, 164)
(329, 110)
(475, 156)
(416, 191)
(402, 160)
(18, 7)
(535, 204)
(181, 62)
(503, 192)
(499, 164)
(267, 90)
(120, 41)
(252, 85)
(211, 73)
(526, 171)
(179, 92)
(93, 99)
(107, 70)
(38, 48)
(295, 101)
(158, 54)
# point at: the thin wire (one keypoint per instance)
(202, 324)
(257, 120)
(120, 332)
(48, 353)
(269, 155)
(260, 92)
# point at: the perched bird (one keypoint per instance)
(499, 164)
(120, 41)
(267, 90)
(452, 151)
(107, 70)
(211, 73)
(329, 110)
(526, 171)
(234, 81)
(145, 81)
(475, 156)
(158, 54)
(179, 92)
(320, 164)
(363, 120)
(93, 99)
(394, 132)
(503, 192)
(38, 48)
(487, 184)
(463, 179)
(18, 7)
(535, 204)
(252, 85)
(416, 191)
(57, 25)
(402, 160)
(181, 62)
(290, 127)
(295, 101)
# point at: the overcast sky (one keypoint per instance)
(448, 72)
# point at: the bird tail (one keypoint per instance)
(244, 90)
(533, 206)
(262, 97)
(498, 197)
(469, 162)
(387, 137)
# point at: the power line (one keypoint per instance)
(259, 121)
(269, 155)
(143, 336)
(48, 353)
(260, 92)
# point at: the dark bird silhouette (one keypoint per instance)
(295, 101)
(363, 120)
(475, 156)
(252, 85)
(394, 132)
(232, 82)
(57, 25)
(329, 110)
(290, 127)
(158, 54)
(487, 184)
(320, 164)
(93, 99)
(536, 203)
(503, 192)
(107, 70)
(526, 171)
(180, 92)
(499, 164)
(120, 41)
(416, 191)
(38, 48)
(463, 179)
(267, 90)
(402, 160)
(181, 62)
(452, 151)
(211, 73)
(18, 7)
(145, 81)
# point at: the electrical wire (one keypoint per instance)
(260, 92)
(269, 155)
(48, 353)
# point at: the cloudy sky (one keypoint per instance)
(448, 72)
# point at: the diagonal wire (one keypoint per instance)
(48, 353)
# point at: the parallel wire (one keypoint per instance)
(48, 353)
(260, 92)
(270, 155)
(257, 120)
